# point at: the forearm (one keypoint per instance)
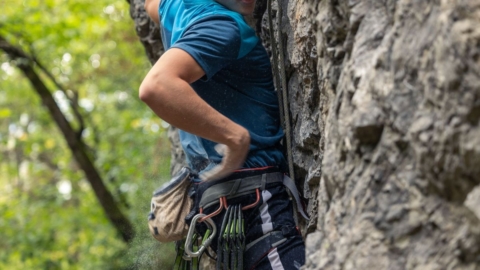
(176, 102)
(166, 90)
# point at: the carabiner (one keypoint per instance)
(191, 231)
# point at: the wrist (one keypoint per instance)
(239, 138)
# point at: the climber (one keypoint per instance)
(214, 83)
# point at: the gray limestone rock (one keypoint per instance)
(401, 137)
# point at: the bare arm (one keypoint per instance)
(166, 90)
(151, 6)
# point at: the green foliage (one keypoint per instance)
(49, 216)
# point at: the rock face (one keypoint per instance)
(385, 105)
(399, 95)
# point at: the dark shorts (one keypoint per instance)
(273, 213)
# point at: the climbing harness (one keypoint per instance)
(234, 188)
(231, 249)
(232, 253)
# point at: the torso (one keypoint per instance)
(242, 90)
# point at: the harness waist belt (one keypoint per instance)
(243, 186)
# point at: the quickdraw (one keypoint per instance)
(231, 241)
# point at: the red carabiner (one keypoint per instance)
(253, 204)
(212, 214)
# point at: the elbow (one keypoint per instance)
(154, 87)
(147, 92)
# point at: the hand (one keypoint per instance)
(233, 158)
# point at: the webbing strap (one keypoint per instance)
(288, 183)
(247, 185)
(238, 187)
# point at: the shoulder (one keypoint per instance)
(215, 35)
(229, 26)
(219, 24)
(211, 22)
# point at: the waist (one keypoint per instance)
(202, 156)
(239, 183)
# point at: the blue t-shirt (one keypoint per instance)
(238, 80)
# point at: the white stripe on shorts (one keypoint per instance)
(266, 218)
(274, 259)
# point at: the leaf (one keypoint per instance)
(49, 144)
(5, 113)
(40, 228)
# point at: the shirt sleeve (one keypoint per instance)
(213, 42)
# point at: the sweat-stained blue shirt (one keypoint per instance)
(238, 79)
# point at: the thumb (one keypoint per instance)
(221, 149)
(215, 173)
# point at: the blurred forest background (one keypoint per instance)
(88, 57)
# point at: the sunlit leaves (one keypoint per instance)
(4, 113)
(49, 217)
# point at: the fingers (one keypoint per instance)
(220, 170)
(215, 173)
(221, 149)
(233, 157)
(231, 161)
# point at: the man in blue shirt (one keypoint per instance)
(214, 83)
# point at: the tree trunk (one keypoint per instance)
(385, 104)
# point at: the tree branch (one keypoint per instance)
(73, 102)
(76, 145)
